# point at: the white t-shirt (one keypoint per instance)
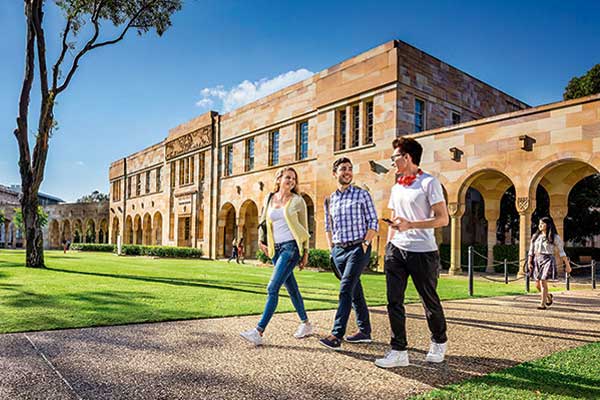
(413, 203)
(281, 231)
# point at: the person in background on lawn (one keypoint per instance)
(350, 226)
(418, 206)
(285, 218)
(241, 250)
(234, 252)
(542, 264)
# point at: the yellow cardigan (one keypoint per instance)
(296, 218)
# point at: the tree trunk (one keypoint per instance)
(34, 240)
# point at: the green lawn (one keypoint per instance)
(571, 374)
(92, 289)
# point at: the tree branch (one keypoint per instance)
(22, 124)
(65, 47)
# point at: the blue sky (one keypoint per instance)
(221, 53)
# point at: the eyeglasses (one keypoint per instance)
(394, 157)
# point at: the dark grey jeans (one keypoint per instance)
(423, 268)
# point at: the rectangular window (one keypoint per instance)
(192, 162)
(355, 126)
(138, 184)
(341, 133)
(147, 181)
(158, 178)
(274, 148)
(419, 115)
(369, 135)
(173, 174)
(455, 118)
(116, 189)
(302, 141)
(249, 165)
(228, 168)
(129, 187)
(201, 167)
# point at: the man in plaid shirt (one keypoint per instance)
(350, 225)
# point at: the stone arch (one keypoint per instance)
(115, 230)
(310, 210)
(248, 228)
(90, 231)
(485, 186)
(157, 223)
(137, 229)
(103, 231)
(225, 229)
(54, 234)
(128, 230)
(66, 231)
(77, 231)
(147, 230)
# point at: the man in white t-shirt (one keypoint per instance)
(418, 206)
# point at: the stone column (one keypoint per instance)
(558, 214)
(98, 235)
(525, 209)
(491, 216)
(456, 211)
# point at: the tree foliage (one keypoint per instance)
(81, 18)
(2, 217)
(20, 222)
(583, 220)
(585, 85)
(94, 197)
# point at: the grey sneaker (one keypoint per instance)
(359, 337)
(253, 336)
(392, 359)
(437, 352)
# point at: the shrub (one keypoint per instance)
(94, 247)
(479, 262)
(161, 251)
(262, 257)
(510, 252)
(373, 262)
(319, 258)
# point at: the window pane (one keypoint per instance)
(342, 133)
(419, 115)
(355, 126)
(303, 141)
(369, 136)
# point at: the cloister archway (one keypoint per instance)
(248, 228)
(310, 210)
(226, 230)
(157, 222)
(147, 230)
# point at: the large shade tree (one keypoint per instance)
(81, 18)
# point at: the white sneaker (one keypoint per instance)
(436, 353)
(393, 358)
(305, 329)
(253, 336)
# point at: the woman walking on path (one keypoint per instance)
(234, 252)
(542, 264)
(240, 249)
(283, 235)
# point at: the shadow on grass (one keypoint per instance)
(205, 283)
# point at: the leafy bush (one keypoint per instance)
(319, 258)
(510, 252)
(262, 257)
(94, 247)
(479, 262)
(373, 262)
(161, 251)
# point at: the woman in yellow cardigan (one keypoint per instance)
(286, 222)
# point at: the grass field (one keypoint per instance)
(93, 289)
(571, 374)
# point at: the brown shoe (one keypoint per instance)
(550, 299)
(542, 308)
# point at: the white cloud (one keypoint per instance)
(246, 91)
(79, 163)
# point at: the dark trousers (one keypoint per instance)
(423, 269)
(350, 263)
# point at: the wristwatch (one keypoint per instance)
(366, 243)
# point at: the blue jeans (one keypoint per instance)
(286, 257)
(351, 262)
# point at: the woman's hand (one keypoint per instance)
(568, 268)
(264, 249)
(303, 261)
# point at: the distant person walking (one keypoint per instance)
(350, 226)
(234, 252)
(283, 236)
(240, 246)
(542, 263)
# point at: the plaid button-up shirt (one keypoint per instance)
(350, 214)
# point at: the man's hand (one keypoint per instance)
(401, 225)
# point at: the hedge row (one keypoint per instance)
(109, 248)
(161, 251)
(319, 258)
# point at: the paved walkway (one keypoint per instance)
(206, 359)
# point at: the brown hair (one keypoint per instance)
(409, 146)
(280, 173)
(340, 161)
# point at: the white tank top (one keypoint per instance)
(281, 231)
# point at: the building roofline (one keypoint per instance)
(507, 116)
